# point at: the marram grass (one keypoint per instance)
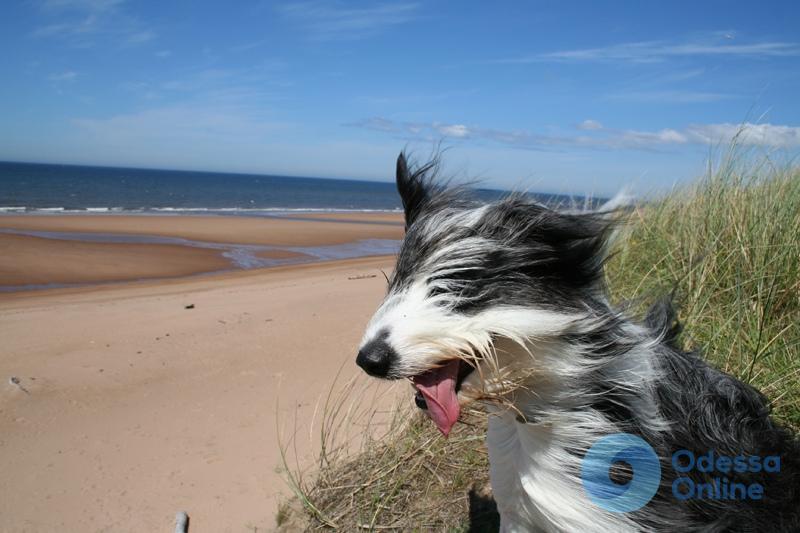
(728, 247)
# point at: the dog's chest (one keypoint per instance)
(536, 482)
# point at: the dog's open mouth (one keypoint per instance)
(437, 392)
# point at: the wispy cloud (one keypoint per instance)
(753, 134)
(439, 129)
(138, 37)
(83, 5)
(715, 44)
(672, 96)
(248, 46)
(676, 76)
(458, 131)
(67, 75)
(181, 122)
(265, 78)
(83, 23)
(218, 135)
(328, 20)
(589, 124)
(255, 87)
(596, 135)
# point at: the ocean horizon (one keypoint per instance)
(60, 188)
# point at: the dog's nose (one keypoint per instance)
(376, 357)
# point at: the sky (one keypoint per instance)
(566, 97)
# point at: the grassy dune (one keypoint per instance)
(727, 247)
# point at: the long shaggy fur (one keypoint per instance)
(516, 290)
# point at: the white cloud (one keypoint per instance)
(329, 20)
(597, 136)
(770, 135)
(715, 44)
(429, 130)
(644, 139)
(589, 125)
(452, 130)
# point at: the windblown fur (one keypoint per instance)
(515, 290)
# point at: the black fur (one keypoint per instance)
(532, 246)
(708, 410)
(718, 412)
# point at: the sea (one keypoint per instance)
(47, 188)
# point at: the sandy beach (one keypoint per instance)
(27, 259)
(134, 401)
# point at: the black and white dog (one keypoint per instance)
(504, 303)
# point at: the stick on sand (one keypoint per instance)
(181, 522)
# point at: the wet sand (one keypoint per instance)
(382, 217)
(233, 229)
(27, 260)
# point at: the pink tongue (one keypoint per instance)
(438, 386)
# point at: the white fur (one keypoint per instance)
(535, 480)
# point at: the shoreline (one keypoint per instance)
(272, 231)
(189, 211)
(58, 251)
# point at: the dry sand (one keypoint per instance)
(131, 407)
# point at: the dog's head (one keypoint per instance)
(470, 277)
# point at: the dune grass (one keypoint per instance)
(727, 247)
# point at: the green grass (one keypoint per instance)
(727, 247)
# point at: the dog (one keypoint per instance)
(504, 304)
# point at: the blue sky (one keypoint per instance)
(569, 97)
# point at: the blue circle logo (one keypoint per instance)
(635, 492)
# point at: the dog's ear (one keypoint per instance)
(582, 244)
(584, 247)
(413, 186)
(569, 246)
